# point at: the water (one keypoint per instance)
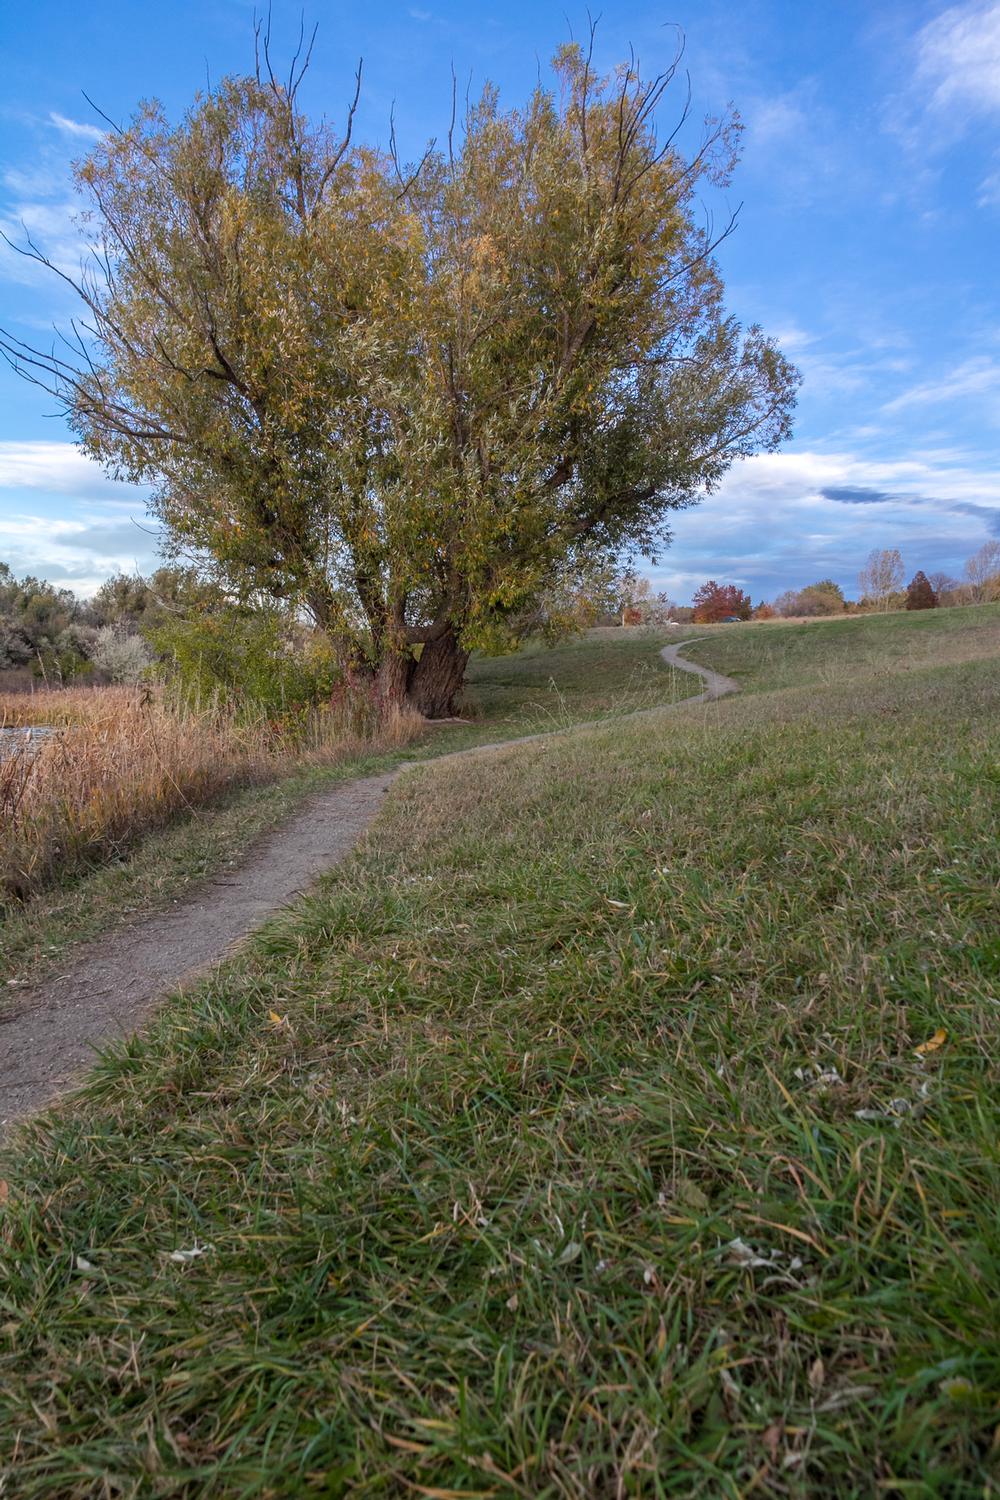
(22, 738)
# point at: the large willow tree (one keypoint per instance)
(411, 399)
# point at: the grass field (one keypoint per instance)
(104, 870)
(763, 656)
(621, 1120)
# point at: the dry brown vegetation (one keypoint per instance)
(123, 761)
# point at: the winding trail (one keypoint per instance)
(716, 686)
(49, 1035)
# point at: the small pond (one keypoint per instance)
(20, 738)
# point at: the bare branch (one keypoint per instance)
(106, 118)
(406, 183)
(342, 149)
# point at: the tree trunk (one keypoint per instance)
(436, 679)
(391, 680)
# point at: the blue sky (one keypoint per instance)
(868, 243)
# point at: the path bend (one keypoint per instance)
(115, 983)
(716, 686)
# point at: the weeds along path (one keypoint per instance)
(48, 1035)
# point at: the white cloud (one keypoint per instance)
(59, 469)
(75, 128)
(958, 59)
(784, 520)
(62, 518)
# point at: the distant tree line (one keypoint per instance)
(186, 625)
(881, 588)
(49, 635)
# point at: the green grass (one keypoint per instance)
(605, 673)
(160, 871)
(770, 654)
(474, 1137)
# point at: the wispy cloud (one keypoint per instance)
(75, 128)
(783, 520)
(958, 59)
(978, 377)
(50, 226)
(795, 140)
(954, 86)
(989, 190)
(38, 202)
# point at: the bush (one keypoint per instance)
(255, 661)
(124, 658)
(717, 601)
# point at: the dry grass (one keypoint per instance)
(123, 761)
(58, 706)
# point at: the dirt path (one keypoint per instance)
(716, 686)
(49, 1036)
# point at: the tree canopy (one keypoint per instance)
(882, 576)
(720, 601)
(412, 399)
(920, 593)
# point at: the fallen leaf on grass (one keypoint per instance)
(745, 1255)
(818, 1078)
(4, 1191)
(771, 1438)
(183, 1256)
(690, 1194)
(933, 1043)
(275, 1019)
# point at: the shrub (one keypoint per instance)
(717, 601)
(823, 598)
(254, 660)
(919, 593)
(124, 658)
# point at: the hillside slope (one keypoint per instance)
(621, 1119)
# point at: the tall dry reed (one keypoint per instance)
(121, 762)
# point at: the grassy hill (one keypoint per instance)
(622, 1119)
(770, 654)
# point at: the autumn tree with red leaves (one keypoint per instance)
(718, 601)
(920, 593)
